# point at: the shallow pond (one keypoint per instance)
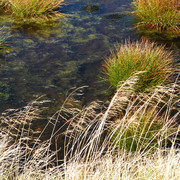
(52, 59)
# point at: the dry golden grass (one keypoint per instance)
(89, 151)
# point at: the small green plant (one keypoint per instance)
(145, 56)
(34, 9)
(160, 15)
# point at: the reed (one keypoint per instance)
(128, 58)
(161, 15)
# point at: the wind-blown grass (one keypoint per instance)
(154, 60)
(89, 151)
(161, 15)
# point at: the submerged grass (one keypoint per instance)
(92, 149)
(3, 36)
(161, 15)
(154, 60)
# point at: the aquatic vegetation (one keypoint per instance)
(153, 60)
(4, 92)
(91, 8)
(161, 15)
(3, 36)
(114, 17)
(34, 9)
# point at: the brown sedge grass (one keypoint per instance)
(161, 15)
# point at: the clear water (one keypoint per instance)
(52, 59)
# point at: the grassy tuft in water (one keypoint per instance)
(144, 56)
(161, 15)
(33, 9)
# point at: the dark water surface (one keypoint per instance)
(52, 59)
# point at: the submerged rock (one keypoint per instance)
(114, 17)
(91, 8)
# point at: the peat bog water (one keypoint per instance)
(52, 59)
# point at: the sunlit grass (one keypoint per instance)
(88, 149)
(161, 15)
(28, 10)
(154, 60)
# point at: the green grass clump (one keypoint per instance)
(161, 15)
(142, 131)
(145, 56)
(33, 9)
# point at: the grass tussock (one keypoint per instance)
(161, 15)
(93, 138)
(29, 10)
(154, 60)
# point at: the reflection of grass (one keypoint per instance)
(138, 56)
(162, 15)
(3, 36)
(2, 39)
(33, 9)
